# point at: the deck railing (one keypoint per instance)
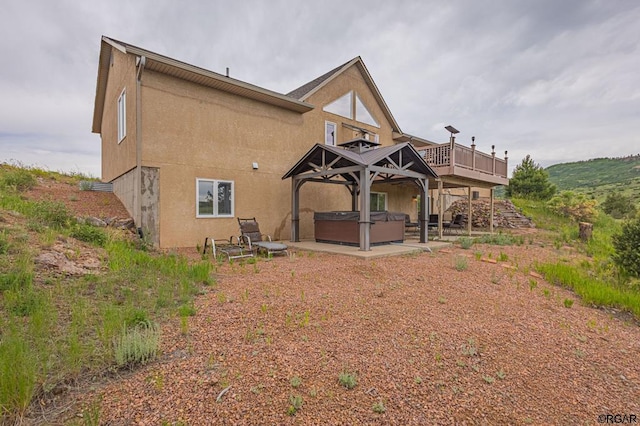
(442, 156)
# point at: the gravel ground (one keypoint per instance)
(428, 344)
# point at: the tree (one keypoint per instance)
(627, 248)
(530, 181)
(619, 206)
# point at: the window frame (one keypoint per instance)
(122, 115)
(328, 123)
(216, 205)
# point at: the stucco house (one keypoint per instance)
(189, 150)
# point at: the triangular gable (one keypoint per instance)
(344, 107)
(304, 92)
(325, 158)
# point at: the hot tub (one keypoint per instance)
(340, 227)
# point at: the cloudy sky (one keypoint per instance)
(557, 79)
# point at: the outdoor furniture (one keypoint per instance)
(457, 224)
(227, 247)
(251, 235)
(408, 225)
(433, 221)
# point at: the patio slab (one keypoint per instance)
(395, 249)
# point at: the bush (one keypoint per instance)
(627, 248)
(619, 206)
(51, 213)
(20, 179)
(90, 234)
(137, 345)
(574, 206)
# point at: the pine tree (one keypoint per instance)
(530, 181)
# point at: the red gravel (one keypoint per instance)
(432, 344)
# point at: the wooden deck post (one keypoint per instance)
(365, 210)
(491, 206)
(469, 216)
(440, 207)
(295, 210)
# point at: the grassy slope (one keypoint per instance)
(598, 177)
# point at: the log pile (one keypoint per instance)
(505, 214)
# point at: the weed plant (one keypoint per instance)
(348, 380)
(137, 345)
(461, 263)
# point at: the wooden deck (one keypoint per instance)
(456, 160)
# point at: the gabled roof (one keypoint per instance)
(182, 70)
(402, 160)
(305, 91)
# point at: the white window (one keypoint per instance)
(122, 116)
(363, 115)
(330, 130)
(341, 106)
(378, 201)
(351, 106)
(214, 198)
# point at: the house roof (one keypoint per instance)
(399, 159)
(303, 92)
(182, 70)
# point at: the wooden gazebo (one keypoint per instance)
(357, 164)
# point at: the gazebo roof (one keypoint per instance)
(392, 163)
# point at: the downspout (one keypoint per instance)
(138, 176)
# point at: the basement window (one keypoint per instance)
(214, 198)
(122, 115)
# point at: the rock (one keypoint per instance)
(94, 221)
(123, 223)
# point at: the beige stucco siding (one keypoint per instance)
(195, 132)
(119, 157)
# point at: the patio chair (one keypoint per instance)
(415, 226)
(221, 247)
(433, 221)
(251, 235)
(457, 224)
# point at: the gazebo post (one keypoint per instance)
(365, 210)
(295, 210)
(424, 223)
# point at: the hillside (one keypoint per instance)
(599, 176)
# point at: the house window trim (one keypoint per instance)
(386, 199)
(215, 213)
(122, 115)
(335, 132)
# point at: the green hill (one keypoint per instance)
(598, 177)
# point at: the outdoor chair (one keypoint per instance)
(250, 234)
(415, 226)
(456, 225)
(433, 221)
(221, 247)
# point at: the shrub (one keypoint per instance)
(619, 206)
(627, 248)
(20, 179)
(466, 242)
(89, 234)
(348, 380)
(574, 206)
(51, 213)
(137, 345)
